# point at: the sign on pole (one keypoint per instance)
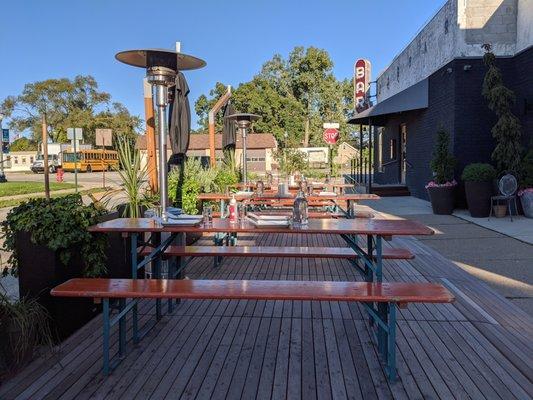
(5, 135)
(331, 125)
(331, 135)
(361, 84)
(74, 133)
(104, 137)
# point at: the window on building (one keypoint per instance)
(31, 160)
(16, 160)
(410, 61)
(23, 160)
(446, 26)
(392, 149)
(398, 74)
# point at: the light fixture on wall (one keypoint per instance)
(467, 67)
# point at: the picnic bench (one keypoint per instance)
(388, 296)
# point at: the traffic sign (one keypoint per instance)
(328, 125)
(104, 137)
(75, 132)
(331, 135)
(5, 148)
(5, 135)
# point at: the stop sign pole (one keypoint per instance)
(330, 136)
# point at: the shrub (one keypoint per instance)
(478, 172)
(443, 162)
(526, 178)
(61, 225)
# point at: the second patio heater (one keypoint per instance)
(243, 121)
(161, 68)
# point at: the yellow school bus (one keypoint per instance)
(90, 160)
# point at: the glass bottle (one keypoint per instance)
(299, 211)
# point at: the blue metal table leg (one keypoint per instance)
(368, 271)
(379, 258)
(105, 313)
(134, 262)
(157, 275)
(382, 330)
(122, 330)
(391, 339)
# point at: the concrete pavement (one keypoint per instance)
(503, 262)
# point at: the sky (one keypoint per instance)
(44, 39)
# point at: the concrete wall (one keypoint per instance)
(458, 30)
(524, 34)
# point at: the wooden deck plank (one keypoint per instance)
(302, 349)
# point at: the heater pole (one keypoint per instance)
(151, 149)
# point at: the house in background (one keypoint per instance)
(259, 154)
(435, 83)
(345, 153)
(19, 161)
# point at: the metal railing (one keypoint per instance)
(361, 172)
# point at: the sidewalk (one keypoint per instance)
(496, 251)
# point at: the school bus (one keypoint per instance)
(90, 160)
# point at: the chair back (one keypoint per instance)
(507, 185)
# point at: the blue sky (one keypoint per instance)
(62, 38)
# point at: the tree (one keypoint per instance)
(23, 144)
(67, 103)
(507, 130)
(296, 96)
(291, 160)
(443, 162)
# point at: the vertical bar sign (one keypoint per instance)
(5, 141)
(361, 83)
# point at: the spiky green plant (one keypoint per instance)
(23, 327)
(133, 176)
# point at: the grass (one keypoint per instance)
(16, 187)
(16, 202)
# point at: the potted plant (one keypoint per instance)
(478, 179)
(23, 327)
(441, 189)
(49, 244)
(526, 184)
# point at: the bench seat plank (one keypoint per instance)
(398, 292)
(272, 251)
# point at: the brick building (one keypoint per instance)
(435, 82)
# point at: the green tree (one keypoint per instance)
(23, 144)
(295, 95)
(507, 130)
(67, 103)
(443, 162)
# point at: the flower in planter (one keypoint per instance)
(445, 184)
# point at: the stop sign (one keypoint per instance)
(331, 135)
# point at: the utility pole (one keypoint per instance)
(45, 158)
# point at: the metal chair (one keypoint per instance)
(507, 187)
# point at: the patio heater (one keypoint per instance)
(161, 68)
(243, 121)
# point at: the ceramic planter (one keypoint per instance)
(527, 204)
(478, 198)
(442, 199)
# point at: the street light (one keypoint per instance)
(2, 175)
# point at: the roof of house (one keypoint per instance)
(200, 141)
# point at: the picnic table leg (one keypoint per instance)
(122, 330)
(134, 262)
(391, 339)
(157, 274)
(379, 259)
(368, 271)
(105, 313)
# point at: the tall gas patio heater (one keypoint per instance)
(243, 121)
(161, 68)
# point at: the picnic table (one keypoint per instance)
(380, 300)
(274, 199)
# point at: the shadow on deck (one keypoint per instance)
(479, 347)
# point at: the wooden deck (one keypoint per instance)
(479, 347)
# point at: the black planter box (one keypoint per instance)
(40, 269)
(442, 199)
(478, 196)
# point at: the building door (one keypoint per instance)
(403, 153)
